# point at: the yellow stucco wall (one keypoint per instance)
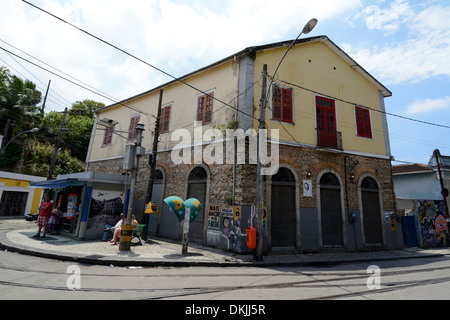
(14, 183)
(222, 80)
(37, 196)
(314, 66)
(310, 69)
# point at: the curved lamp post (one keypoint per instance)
(14, 138)
(262, 124)
(306, 29)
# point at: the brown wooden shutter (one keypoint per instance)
(165, 120)
(132, 134)
(208, 109)
(200, 108)
(287, 105)
(277, 96)
(107, 139)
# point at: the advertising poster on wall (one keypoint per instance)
(72, 206)
(226, 226)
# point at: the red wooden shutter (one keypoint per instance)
(363, 125)
(287, 105)
(326, 123)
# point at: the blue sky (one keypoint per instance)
(405, 44)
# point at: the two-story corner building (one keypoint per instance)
(334, 185)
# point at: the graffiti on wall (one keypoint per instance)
(226, 227)
(433, 225)
(105, 208)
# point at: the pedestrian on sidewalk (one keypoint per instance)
(44, 215)
(109, 229)
(116, 236)
(53, 222)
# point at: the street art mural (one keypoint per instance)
(227, 226)
(105, 208)
(433, 225)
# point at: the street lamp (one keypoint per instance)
(306, 29)
(25, 132)
(262, 125)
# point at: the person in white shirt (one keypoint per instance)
(109, 230)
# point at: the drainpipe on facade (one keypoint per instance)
(152, 163)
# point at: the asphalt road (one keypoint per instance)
(25, 277)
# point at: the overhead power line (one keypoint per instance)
(201, 91)
(73, 82)
(356, 104)
(177, 79)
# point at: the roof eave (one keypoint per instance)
(324, 39)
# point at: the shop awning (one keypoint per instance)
(50, 184)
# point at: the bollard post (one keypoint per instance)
(126, 233)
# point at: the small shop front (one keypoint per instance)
(16, 198)
(87, 201)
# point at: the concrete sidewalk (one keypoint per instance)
(161, 252)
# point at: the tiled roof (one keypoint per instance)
(406, 168)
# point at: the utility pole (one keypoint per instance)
(444, 191)
(57, 143)
(46, 94)
(126, 231)
(259, 177)
(152, 162)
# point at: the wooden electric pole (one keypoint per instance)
(152, 162)
(259, 177)
(57, 143)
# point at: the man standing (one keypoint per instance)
(44, 215)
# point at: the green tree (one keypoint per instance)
(18, 103)
(38, 155)
(18, 113)
(78, 127)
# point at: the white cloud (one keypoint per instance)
(426, 105)
(387, 19)
(177, 36)
(422, 54)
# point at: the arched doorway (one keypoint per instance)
(331, 211)
(371, 211)
(197, 183)
(282, 219)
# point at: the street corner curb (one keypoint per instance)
(6, 244)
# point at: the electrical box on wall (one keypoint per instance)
(128, 160)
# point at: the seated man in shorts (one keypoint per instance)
(44, 215)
